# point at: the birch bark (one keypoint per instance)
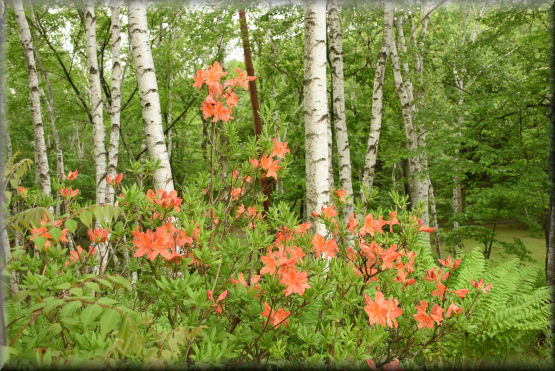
(377, 98)
(338, 96)
(113, 152)
(148, 89)
(99, 135)
(41, 159)
(315, 110)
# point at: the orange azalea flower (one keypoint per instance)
(280, 149)
(372, 226)
(393, 221)
(479, 285)
(353, 224)
(71, 175)
(341, 193)
(437, 314)
(424, 228)
(423, 319)
(117, 179)
(69, 192)
(99, 234)
(165, 199)
(295, 281)
(329, 212)
(302, 228)
(453, 309)
(461, 293)
(217, 307)
(275, 318)
(449, 263)
(270, 166)
(270, 264)
(329, 248)
(22, 191)
(440, 290)
(240, 210)
(382, 311)
(76, 256)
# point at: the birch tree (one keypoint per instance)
(99, 135)
(315, 109)
(377, 98)
(115, 98)
(41, 159)
(338, 97)
(148, 90)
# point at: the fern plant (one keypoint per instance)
(508, 319)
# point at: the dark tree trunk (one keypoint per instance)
(265, 182)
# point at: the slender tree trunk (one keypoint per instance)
(410, 131)
(170, 100)
(340, 119)
(265, 183)
(49, 100)
(457, 190)
(377, 98)
(41, 159)
(434, 217)
(113, 152)
(148, 89)
(316, 109)
(99, 135)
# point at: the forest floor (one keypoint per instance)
(534, 241)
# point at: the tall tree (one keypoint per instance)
(148, 90)
(377, 98)
(99, 134)
(338, 98)
(315, 109)
(253, 91)
(115, 98)
(41, 159)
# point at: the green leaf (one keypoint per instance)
(93, 286)
(100, 214)
(105, 282)
(71, 225)
(109, 321)
(90, 313)
(63, 286)
(56, 233)
(55, 329)
(120, 281)
(107, 301)
(67, 310)
(86, 218)
(76, 291)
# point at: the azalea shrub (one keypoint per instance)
(207, 275)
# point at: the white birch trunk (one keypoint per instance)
(340, 119)
(116, 100)
(316, 110)
(148, 89)
(406, 107)
(41, 159)
(99, 135)
(377, 98)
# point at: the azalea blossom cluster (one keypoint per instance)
(166, 240)
(267, 163)
(78, 255)
(68, 192)
(165, 199)
(282, 262)
(43, 231)
(221, 97)
(276, 318)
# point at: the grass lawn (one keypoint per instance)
(506, 232)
